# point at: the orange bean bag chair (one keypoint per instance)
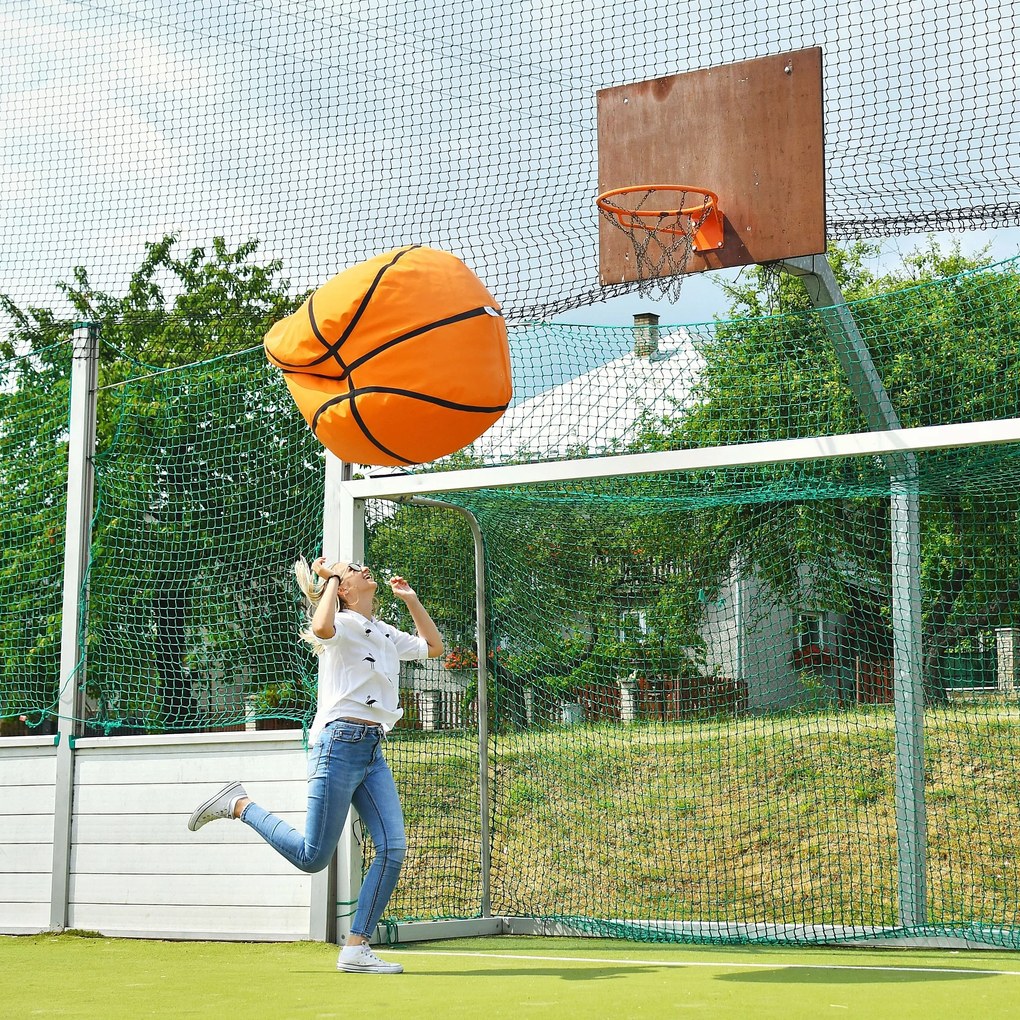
(398, 360)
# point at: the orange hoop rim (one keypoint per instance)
(705, 219)
(711, 201)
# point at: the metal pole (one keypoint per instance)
(77, 537)
(348, 527)
(905, 527)
(908, 699)
(891, 443)
(484, 852)
(824, 292)
(343, 537)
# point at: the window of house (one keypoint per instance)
(633, 624)
(809, 630)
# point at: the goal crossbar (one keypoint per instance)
(856, 444)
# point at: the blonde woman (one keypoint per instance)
(357, 706)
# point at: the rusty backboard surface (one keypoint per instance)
(752, 132)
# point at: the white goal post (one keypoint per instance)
(783, 451)
(892, 447)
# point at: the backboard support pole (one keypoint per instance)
(825, 294)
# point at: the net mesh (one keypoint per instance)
(334, 132)
(693, 683)
(691, 674)
(943, 348)
(209, 490)
(33, 478)
(434, 748)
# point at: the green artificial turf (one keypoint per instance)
(79, 976)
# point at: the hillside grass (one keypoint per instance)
(780, 820)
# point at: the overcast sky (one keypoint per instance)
(334, 130)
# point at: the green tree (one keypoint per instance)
(206, 490)
(33, 480)
(432, 548)
(944, 338)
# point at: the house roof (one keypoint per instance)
(601, 411)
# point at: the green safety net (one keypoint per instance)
(209, 488)
(434, 749)
(945, 350)
(691, 675)
(692, 681)
(34, 413)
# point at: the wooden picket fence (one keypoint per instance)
(437, 710)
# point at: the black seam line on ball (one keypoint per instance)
(284, 365)
(414, 394)
(318, 336)
(472, 313)
(332, 349)
(459, 317)
(356, 414)
(322, 340)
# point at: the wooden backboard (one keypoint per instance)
(752, 132)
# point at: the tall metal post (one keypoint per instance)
(905, 527)
(77, 537)
(908, 698)
(335, 890)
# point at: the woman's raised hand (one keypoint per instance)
(401, 588)
(319, 567)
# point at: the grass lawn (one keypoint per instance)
(67, 976)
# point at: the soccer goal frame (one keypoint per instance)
(893, 446)
(346, 540)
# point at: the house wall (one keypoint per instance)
(720, 632)
(135, 867)
(767, 636)
(432, 675)
(750, 636)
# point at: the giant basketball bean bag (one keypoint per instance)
(398, 360)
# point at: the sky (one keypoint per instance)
(332, 131)
(702, 298)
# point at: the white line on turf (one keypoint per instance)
(778, 965)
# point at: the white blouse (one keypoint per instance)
(360, 672)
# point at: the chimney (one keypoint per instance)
(646, 334)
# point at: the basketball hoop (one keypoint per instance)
(666, 224)
(635, 207)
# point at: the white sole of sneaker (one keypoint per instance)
(202, 808)
(351, 968)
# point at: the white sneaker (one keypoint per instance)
(361, 960)
(221, 805)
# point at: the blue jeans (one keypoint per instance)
(345, 766)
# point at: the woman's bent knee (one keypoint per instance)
(392, 857)
(313, 864)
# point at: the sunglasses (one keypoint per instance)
(355, 568)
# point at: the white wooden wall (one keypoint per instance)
(136, 868)
(27, 770)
